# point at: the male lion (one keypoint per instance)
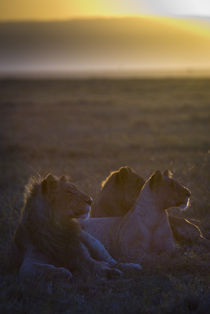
(145, 229)
(118, 194)
(50, 242)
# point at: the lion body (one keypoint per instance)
(50, 242)
(105, 233)
(145, 229)
(118, 194)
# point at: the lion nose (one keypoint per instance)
(89, 200)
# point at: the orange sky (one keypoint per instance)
(155, 39)
(64, 9)
(61, 9)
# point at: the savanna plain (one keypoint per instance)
(85, 129)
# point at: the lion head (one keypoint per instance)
(57, 198)
(118, 194)
(167, 191)
(65, 199)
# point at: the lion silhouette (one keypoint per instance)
(50, 242)
(145, 229)
(118, 195)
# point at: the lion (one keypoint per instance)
(145, 229)
(118, 195)
(119, 192)
(49, 240)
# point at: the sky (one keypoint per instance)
(65, 9)
(161, 34)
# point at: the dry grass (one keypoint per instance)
(85, 129)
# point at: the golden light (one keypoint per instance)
(60, 9)
(65, 9)
(148, 40)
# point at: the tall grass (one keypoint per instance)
(85, 129)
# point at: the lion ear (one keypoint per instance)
(48, 184)
(123, 174)
(168, 173)
(155, 179)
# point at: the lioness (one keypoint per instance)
(145, 229)
(118, 194)
(50, 243)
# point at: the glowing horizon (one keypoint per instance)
(49, 10)
(155, 38)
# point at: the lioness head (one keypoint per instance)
(118, 194)
(66, 201)
(167, 191)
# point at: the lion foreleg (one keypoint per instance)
(98, 252)
(96, 249)
(35, 266)
(88, 265)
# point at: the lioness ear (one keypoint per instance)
(168, 173)
(48, 184)
(155, 179)
(123, 174)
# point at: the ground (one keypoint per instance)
(85, 129)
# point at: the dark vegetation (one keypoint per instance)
(85, 129)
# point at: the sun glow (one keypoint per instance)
(118, 35)
(65, 9)
(186, 24)
(68, 9)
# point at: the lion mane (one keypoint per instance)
(37, 228)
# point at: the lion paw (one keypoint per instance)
(129, 267)
(64, 273)
(112, 273)
(104, 270)
(58, 273)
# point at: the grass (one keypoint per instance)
(85, 129)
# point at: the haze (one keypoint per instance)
(98, 45)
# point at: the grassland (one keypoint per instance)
(85, 129)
